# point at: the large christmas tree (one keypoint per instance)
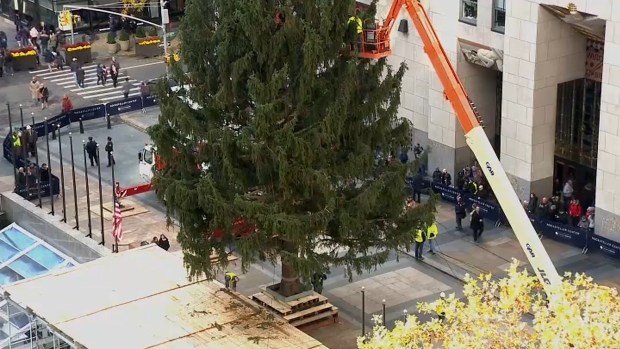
(286, 141)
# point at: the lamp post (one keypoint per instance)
(100, 199)
(383, 317)
(164, 23)
(363, 311)
(36, 158)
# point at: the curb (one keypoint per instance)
(452, 266)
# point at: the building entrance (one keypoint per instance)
(576, 133)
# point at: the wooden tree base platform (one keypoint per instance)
(299, 312)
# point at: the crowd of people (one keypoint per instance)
(564, 206)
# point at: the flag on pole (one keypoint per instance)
(117, 231)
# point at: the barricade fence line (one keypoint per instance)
(568, 234)
(92, 112)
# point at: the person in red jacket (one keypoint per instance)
(574, 211)
(67, 106)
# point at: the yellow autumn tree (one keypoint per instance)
(511, 313)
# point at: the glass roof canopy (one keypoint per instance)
(23, 256)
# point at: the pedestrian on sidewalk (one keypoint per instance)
(163, 242)
(32, 138)
(81, 77)
(34, 37)
(8, 64)
(67, 106)
(126, 88)
(115, 68)
(58, 59)
(460, 212)
(17, 20)
(431, 233)
(477, 223)
(417, 187)
(4, 41)
(44, 96)
(22, 37)
(91, 149)
(420, 237)
(230, 280)
(34, 90)
(49, 59)
(99, 72)
(109, 148)
(53, 42)
(2, 55)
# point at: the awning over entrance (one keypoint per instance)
(589, 25)
(482, 55)
(142, 299)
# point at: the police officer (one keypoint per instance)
(459, 212)
(440, 307)
(91, 149)
(230, 280)
(109, 148)
(431, 233)
(420, 237)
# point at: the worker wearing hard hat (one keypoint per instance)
(230, 280)
(356, 21)
(440, 307)
(431, 234)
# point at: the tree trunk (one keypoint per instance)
(290, 284)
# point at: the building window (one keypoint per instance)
(499, 15)
(469, 11)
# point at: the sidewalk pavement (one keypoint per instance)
(459, 255)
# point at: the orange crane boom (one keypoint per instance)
(376, 44)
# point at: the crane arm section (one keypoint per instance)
(479, 143)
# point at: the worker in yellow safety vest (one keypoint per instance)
(230, 280)
(420, 237)
(17, 143)
(440, 307)
(359, 29)
(431, 233)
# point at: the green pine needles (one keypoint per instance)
(287, 135)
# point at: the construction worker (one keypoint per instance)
(17, 143)
(359, 29)
(440, 307)
(431, 233)
(420, 237)
(230, 280)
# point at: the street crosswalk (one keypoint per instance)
(91, 91)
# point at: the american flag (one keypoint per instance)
(117, 231)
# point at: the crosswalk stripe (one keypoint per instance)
(49, 74)
(105, 89)
(113, 98)
(109, 93)
(98, 86)
(71, 83)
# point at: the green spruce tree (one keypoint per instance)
(287, 133)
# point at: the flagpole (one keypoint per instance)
(75, 200)
(49, 165)
(100, 200)
(90, 224)
(114, 201)
(36, 157)
(62, 177)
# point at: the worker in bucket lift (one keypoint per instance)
(230, 280)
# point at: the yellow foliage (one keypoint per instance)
(149, 42)
(24, 54)
(512, 312)
(79, 48)
(133, 6)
